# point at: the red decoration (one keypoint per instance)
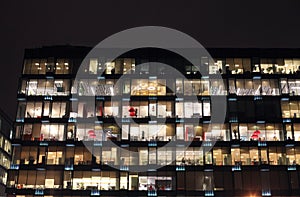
(132, 111)
(91, 132)
(254, 136)
(92, 136)
(257, 132)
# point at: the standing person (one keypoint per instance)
(113, 71)
(136, 112)
(151, 187)
(122, 162)
(183, 161)
(143, 135)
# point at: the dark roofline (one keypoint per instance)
(69, 51)
(254, 52)
(62, 51)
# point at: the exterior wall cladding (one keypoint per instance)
(60, 150)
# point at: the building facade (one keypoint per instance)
(5, 149)
(60, 150)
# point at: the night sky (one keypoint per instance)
(223, 23)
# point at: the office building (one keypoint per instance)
(5, 149)
(62, 144)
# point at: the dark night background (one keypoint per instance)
(34, 23)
